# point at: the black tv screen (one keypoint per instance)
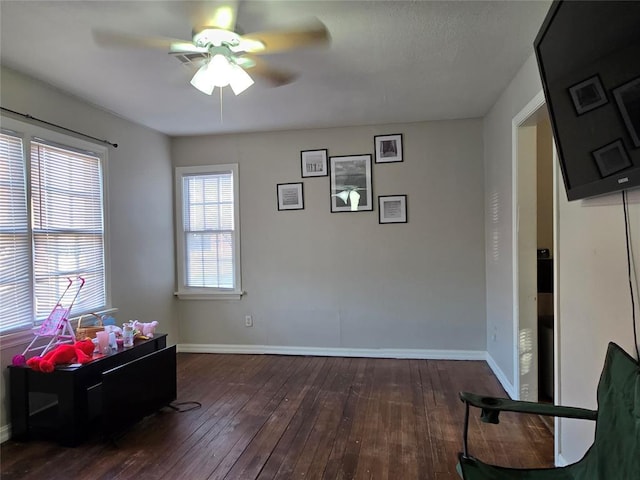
(588, 54)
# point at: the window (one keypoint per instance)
(51, 224)
(208, 232)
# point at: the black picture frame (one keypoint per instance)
(351, 186)
(611, 158)
(313, 163)
(627, 98)
(588, 95)
(392, 209)
(290, 196)
(388, 148)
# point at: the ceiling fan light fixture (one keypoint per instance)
(202, 81)
(215, 37)
(239, 79)
(220, 72)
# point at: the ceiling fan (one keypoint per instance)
(222, 56)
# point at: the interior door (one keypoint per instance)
(527, 263)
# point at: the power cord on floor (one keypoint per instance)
(178, 407)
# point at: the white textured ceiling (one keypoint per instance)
(388, 62)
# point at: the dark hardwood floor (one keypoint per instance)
(266, 416)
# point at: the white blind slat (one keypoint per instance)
(68, 233)
(16, 309)
(64, 239)
(208, 217)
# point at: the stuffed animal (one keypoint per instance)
(146, 329)
(113, 328)
(79, 352)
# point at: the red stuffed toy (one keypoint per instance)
(79, 352)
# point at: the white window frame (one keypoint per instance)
(28, 133)
(206, 293)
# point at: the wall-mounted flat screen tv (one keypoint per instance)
(588, 54)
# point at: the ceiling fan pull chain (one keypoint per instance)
(221, 119)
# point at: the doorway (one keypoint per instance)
(533, 253)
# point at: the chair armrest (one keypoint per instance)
(492, 406)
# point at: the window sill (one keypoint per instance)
(23, 337)
(16, 339)
(210, 295)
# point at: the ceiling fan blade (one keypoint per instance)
(106, 38)
(186, 47)
(313, 33)
(213, 14)
(275, 76)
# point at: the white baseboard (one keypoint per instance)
(421, 354)
(5, 433)
(502, 378)
(561, 461)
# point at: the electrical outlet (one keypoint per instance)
(495, 334)
(248, 321)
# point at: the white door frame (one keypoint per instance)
(534, 104)
(556, 311)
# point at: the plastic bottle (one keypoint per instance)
(127, 335)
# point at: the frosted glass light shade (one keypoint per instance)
(219, 72)
(240, 80)
(202, 81)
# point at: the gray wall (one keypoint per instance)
(594, 301)
(498, 174)
(341, 280)
(593, 294)
(139, 181)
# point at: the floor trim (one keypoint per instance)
(335, 352)
(5, 433)
(502, 378)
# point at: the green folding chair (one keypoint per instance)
(615, 452)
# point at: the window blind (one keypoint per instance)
(15, 265)
(208, 217)
(68, 227)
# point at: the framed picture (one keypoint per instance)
(588, 95)
(290, 196)
(392, 208)
(314, 163)
(351, 183)
(388, 148)
(628, 99)
(611, 158)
